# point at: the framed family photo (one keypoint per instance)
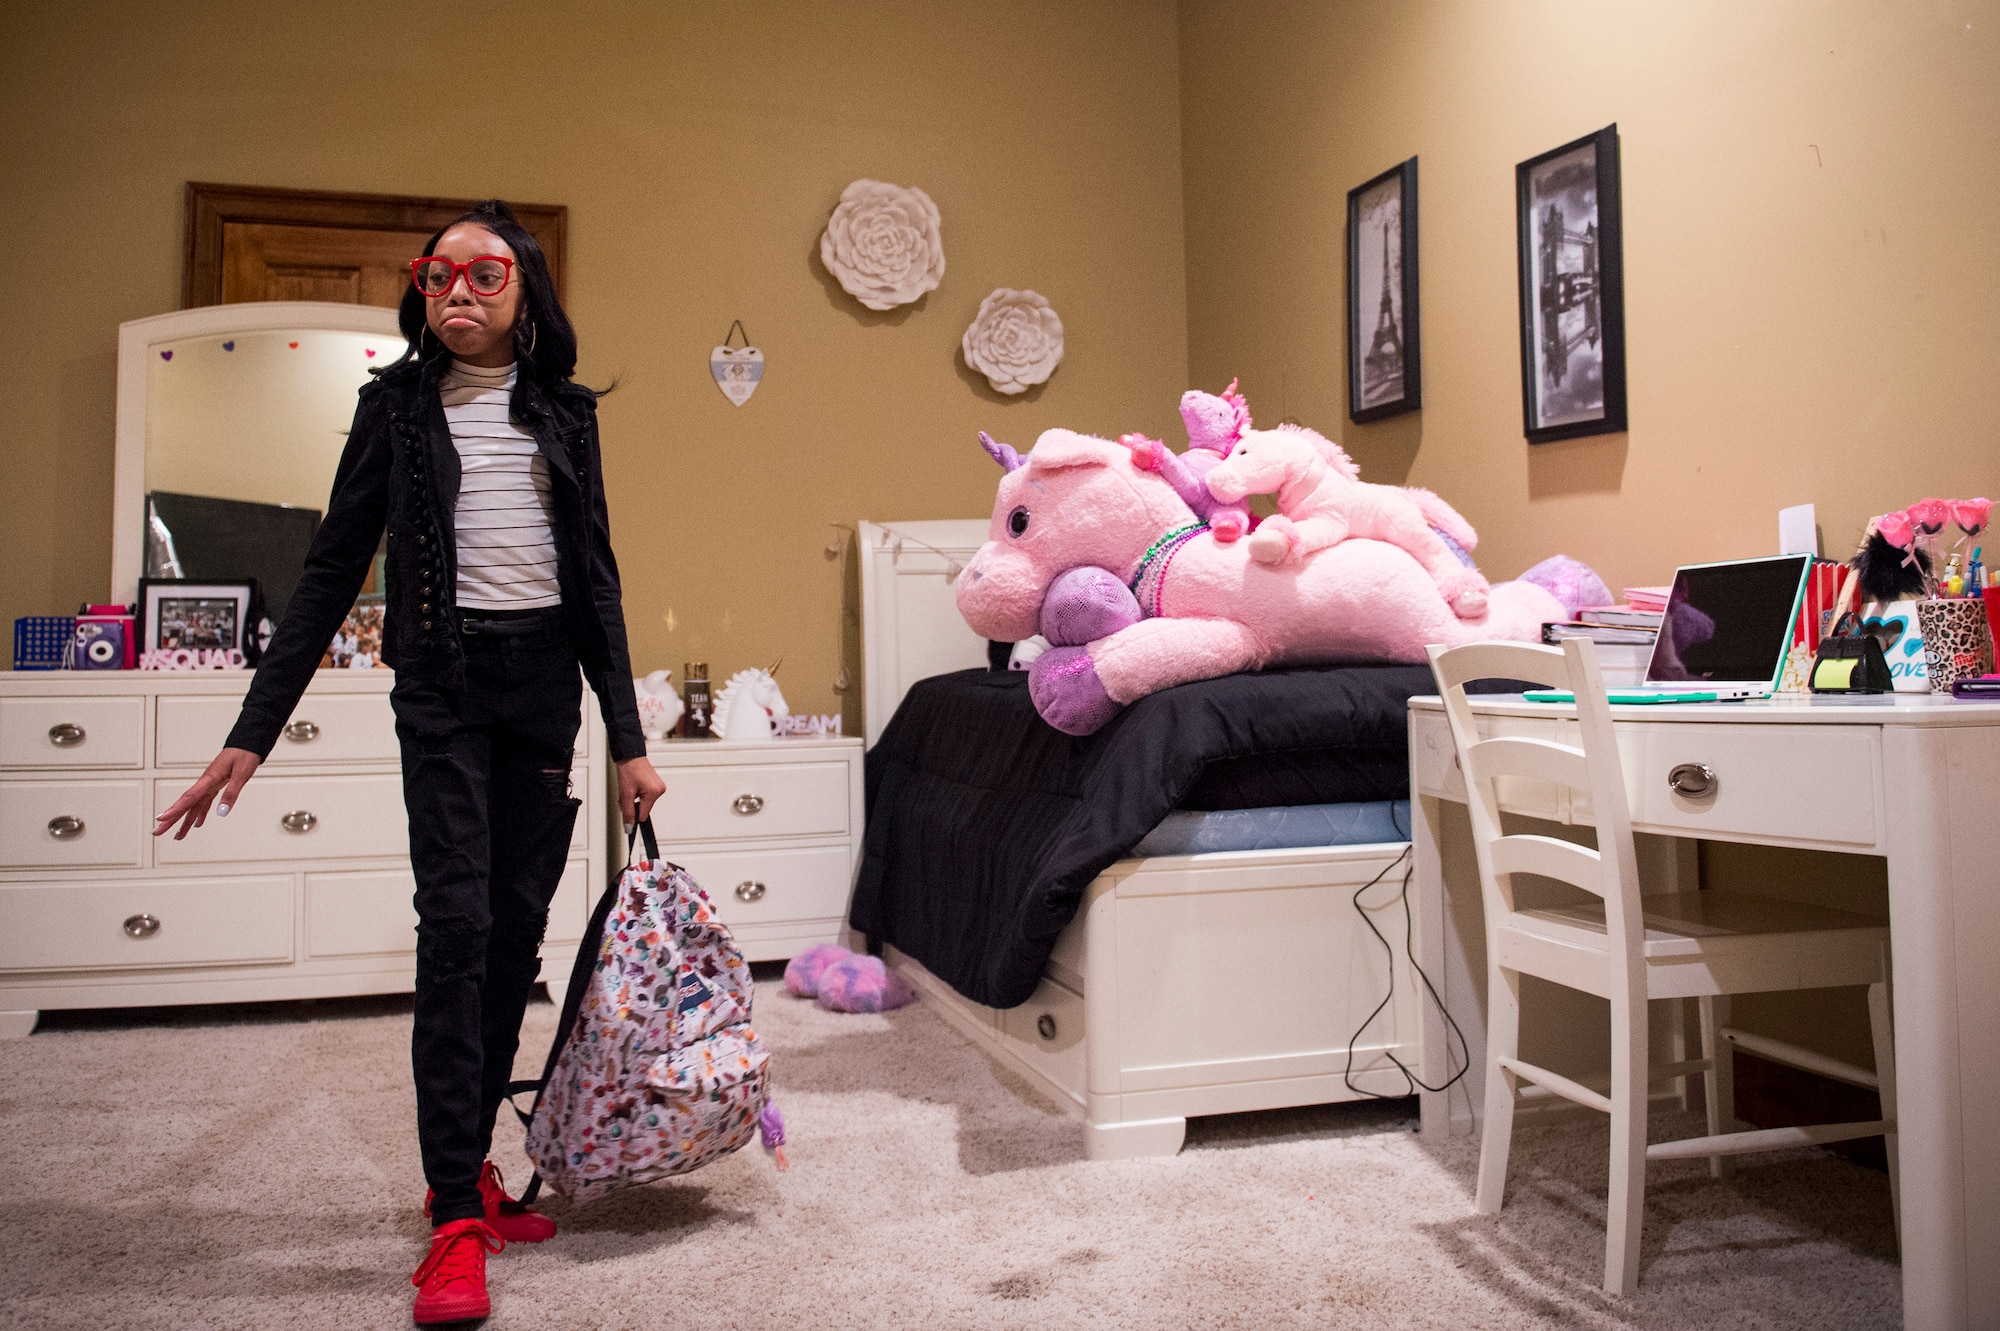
(1384, 361)
(177, 614)
(1572, 290)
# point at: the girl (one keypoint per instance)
(479, 455)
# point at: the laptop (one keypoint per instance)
(1725, 633)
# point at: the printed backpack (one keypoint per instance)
(655, 1070)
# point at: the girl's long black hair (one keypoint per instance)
(544, 341)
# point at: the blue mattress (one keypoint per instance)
(1196, 832)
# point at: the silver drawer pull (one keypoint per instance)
(299, 820)
(301, 732)
(747, 804)
(142, 926)
(64, 827)
(66, 734)
(1045, 1026)
(749, 891)
(1694, 780)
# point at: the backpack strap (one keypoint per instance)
(579, 980)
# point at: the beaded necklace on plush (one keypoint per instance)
(1150, 579)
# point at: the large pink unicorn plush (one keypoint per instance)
(1109, 562)
(1322, 499)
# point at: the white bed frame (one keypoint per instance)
(1187, 984)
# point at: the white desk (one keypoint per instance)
(1914, 779)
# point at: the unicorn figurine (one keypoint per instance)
(749, 705)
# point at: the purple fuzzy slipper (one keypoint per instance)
(804, 973)
(862, 984)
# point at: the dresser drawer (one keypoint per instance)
(1816, 782)
(771, 886)
(719, 803)
(360, 914)
(59, 824)
(581, 788)
(570, 909)
(294, 818)
(73, 732)
(171, 922)
(375, 914)
(328, 729)
(1047, 1033)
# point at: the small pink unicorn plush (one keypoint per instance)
(1322, 500)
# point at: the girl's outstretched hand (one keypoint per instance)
(225, 776)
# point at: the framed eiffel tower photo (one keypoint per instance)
(1570, 228)
(1384, 353)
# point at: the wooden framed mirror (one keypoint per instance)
(246, 243)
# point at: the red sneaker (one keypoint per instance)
(451, 1282)
(511, 1220)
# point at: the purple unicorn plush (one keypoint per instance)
(1214, 424)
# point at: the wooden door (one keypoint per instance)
(247, 244)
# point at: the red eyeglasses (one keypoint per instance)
(486, 275)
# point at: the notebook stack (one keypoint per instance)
(1624, 636)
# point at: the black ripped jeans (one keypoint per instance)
(486, 783)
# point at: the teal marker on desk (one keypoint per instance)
(1639, 697)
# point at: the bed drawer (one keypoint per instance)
(344, 728)
(771, 886)
(737, 801)
(1047, 1033)
(172, 922)
(294, 818)
(63, 824)
(73, 732)
(1817, 782)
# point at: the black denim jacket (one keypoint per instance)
(400, 469)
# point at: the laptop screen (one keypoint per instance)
(1729, 623)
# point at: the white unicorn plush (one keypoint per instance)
(1322, 500)
(749, 705)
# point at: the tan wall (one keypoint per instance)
(699, 149)
(1812, 275)
(1812, 252)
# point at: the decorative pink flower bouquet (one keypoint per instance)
(1958, 641)
(1919, 529)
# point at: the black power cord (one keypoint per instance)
(1414, 1083)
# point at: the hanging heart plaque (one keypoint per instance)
(737, 370)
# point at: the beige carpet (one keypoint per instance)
(257, 1168)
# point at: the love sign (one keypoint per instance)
(737, 371)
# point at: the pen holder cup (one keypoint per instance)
(1958, 642)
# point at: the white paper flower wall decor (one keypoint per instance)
(1016, 341)
(883, 244)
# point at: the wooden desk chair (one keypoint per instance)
(1628, 949)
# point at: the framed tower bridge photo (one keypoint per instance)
(1571, 237)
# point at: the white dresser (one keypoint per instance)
(770, 829)
(303, 891)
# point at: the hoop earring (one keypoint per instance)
(532, 330)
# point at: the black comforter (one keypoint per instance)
(985, 824)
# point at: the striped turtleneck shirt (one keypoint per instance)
(506, 547)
